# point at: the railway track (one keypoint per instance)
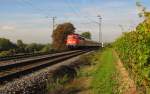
(21, 56)
(12, 70)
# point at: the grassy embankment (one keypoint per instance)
(104, 75)
(98, 77)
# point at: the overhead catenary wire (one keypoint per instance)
(42, 12)
(78, 13)
(45, 15)
(39, 10)
(72, 9)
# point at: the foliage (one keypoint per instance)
(5, 53)
(60, 34)
(56, 85)
(33, 47)
(134, 49)
(141, 8)
(86, 35)
(46, 48)
(5, 44)
(21, 46)
(8, 48)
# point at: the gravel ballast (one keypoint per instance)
(36, 83)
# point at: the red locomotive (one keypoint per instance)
(76, 40)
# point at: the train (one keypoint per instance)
(78, 41)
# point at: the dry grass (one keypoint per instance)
(127, 85)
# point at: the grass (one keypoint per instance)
(105, 75)
(98, 75)
(55, 86)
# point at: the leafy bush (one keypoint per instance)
(6, 44)
(86, 35)
(47, 48)
(34, 47)
(5, 53)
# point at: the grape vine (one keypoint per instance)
(134, 50)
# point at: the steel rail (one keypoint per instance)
(19, 63)
(15, 72)
(26, 55)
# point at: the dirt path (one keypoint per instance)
(127, 85)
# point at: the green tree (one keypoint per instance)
(46, 48)
(86, 35)
(33, 47)
(6, 44)
(60, 34)
(21, 46)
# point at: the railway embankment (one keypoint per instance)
(42, 81)
(100, 72)
(103, 74)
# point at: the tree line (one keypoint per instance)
(59, 38)
(9, 48)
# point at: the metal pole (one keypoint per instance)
(53, 23)
(100, 33)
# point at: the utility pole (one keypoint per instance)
(53, 19)
(53, 22)
(100, 32)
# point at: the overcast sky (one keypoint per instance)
(29, 20)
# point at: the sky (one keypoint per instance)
(31, 20)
